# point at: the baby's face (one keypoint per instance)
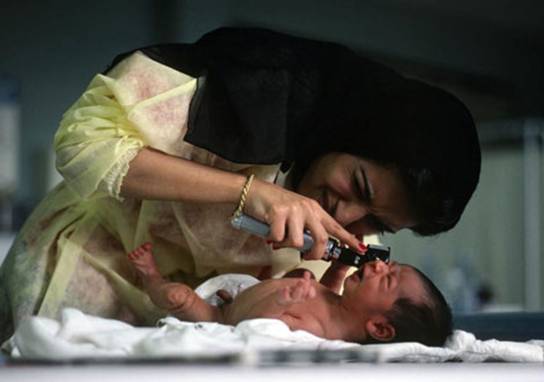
(377, 285)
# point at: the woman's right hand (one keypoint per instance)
(289, 214)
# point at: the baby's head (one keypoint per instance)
(398, 303)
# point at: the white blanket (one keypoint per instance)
(77, 335)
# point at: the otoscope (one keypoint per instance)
(334, 251)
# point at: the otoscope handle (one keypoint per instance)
(256, 227)
(334, 250)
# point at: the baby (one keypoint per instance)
(380, 303)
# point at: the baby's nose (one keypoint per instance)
(377, 266)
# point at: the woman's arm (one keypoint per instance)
(102, 152)
(155, 175)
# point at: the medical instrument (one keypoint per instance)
(334, 250)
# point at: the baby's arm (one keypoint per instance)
(299, 293)
(295, 294)
(334, 276)
(277, 298)
(284, 303)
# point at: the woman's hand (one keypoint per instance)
(289, 214)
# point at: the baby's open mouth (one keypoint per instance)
(361, 273)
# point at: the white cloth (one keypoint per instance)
(80, 335)
(461, 346)
(77, 335)
(233, 283)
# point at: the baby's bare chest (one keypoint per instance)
(264, 300)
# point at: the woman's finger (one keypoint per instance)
(345, 237)
(320, 238)
(277, 228)
(295, 232)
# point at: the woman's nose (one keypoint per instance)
(348, 212)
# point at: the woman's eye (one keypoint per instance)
(358, 189)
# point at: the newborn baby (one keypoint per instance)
(380, 303)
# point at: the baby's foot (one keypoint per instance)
(143, 261)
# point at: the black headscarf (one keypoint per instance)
(262, 94)
(265, 97)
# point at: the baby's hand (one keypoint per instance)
(301, 291)
(334, 276)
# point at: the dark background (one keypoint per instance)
(490, 52)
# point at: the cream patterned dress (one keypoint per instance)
(72, 250)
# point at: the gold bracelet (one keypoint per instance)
(243, 196)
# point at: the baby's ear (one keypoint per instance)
(380, 329)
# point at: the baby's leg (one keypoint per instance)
(177, 298)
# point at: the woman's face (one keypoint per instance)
(363, 196)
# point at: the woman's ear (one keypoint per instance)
(380, 329)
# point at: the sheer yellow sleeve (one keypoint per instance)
(139, 103)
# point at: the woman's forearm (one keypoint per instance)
(155, 175)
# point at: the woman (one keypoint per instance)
(161, 147)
